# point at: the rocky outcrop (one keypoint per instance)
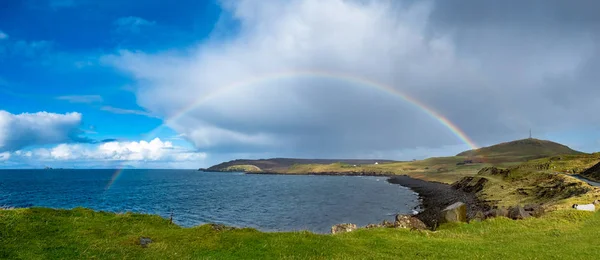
(456, 212)
(470, 184)
(496, 212)
(592, 173)
(343, 228)
(558, 187)
(409, 222)
(494, 171)
(437, 196)
(518, 212)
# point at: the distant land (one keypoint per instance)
(279, 164)
(508, 152)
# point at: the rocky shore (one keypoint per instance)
(436, 196)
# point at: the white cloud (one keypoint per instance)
(4, 156)
(27, 129)
(155, 154)
(491, 90)
(81, 98)
(131, 24)
(3, 35)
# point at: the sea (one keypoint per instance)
(265, 202)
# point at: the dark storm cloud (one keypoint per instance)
(494, 68)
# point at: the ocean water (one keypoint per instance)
(265, 202)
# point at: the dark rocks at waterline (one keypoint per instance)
(401, 221)
(410, 222)
(343, 228)
(350, 173)
(437, 196)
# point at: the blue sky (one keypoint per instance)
(88, 83)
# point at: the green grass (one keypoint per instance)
(242, 168)
(40, 233)
(525, 148)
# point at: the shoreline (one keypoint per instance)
(435, 196)
(357, 174)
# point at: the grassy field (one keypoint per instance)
(242, 168)
(40, 233)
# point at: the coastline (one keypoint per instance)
(328, 174)
(435, 196)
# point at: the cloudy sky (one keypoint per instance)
(154, 84)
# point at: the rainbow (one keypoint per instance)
(257, 81)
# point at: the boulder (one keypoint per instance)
(518, 212)
(535, 210)
(343, 228)
(456, 212)
(145, 241)
(497, 212)
(410, 222)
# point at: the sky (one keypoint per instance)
(188, 84)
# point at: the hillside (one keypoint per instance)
(592, 173)
(278, 164)
(521, 150)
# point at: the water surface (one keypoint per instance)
(265, 202)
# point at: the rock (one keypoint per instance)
(518, 212)
(387, 224)
(145, 241)
(410, 222)
(535, 210)
(494, 171)
(466, 184)
(220, 227)
(343, 228)
(456, 212)
(373, 226)
(479, 216)
(497, 212)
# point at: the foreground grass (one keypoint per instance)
(40, 233)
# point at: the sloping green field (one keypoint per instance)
(41, 233)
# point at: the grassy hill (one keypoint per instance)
(521, 150)
(282, 164)
(39, 233)
(592, 173)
